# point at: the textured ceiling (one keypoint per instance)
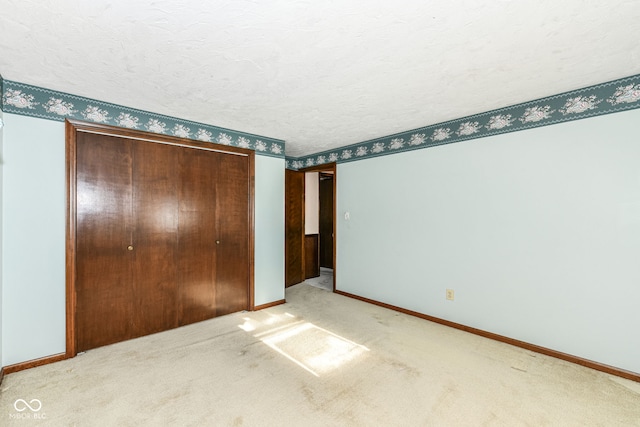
(318, 74)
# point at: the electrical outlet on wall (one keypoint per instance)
(449, 294)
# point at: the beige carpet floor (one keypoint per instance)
(320, 360)
(323, 281)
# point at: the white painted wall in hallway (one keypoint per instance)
(312, 203)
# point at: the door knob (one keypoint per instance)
(129, 248)
(217, 242)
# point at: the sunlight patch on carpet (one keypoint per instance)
(311, 347)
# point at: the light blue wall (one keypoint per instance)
(33, 237)
(537, 232)
(269, 226)
(1, 198)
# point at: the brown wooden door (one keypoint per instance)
(162, 237)
(154, 237)
(104, 294)
(232, 234)
(326, 220)
(311, 256)
(127, 234)
(214, 229)
(197, 248)
(294, 227)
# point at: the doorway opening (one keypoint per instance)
(310, 229)
(319, 233)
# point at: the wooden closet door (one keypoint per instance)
(162, 235)
(127, 218)
(105, 297)
(213, 248)
(197, 239)
(232, 233)
(155, 236)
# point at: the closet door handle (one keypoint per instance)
(129, 248)
(217, 242)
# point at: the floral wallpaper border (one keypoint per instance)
(618, 95)
(27, 100)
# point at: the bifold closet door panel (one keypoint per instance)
(105, 297)
(162, 237)
(154, 241)
(197, 238)
(232, 233)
